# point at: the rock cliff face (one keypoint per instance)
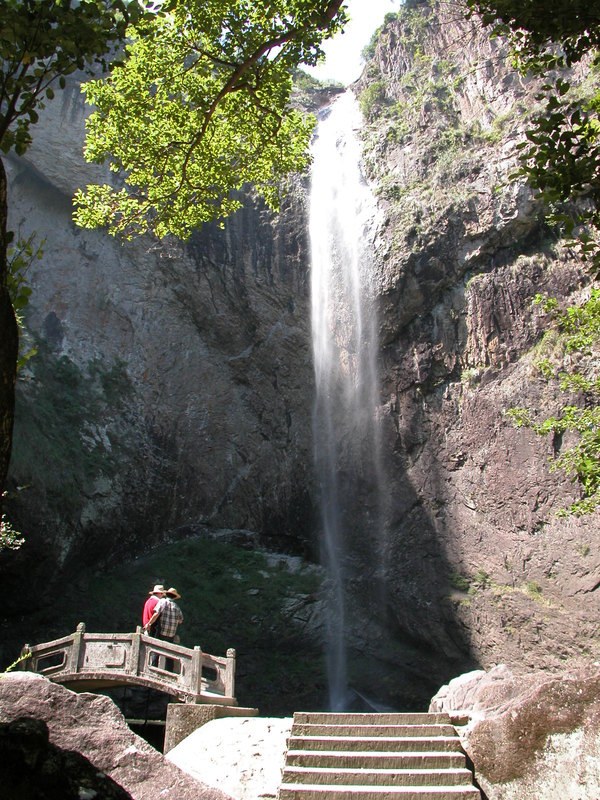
(182, 371)
(173, 388)
(480, 566)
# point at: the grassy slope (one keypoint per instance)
(231, 597)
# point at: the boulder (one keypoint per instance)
(32, 767)
(93, 726)
(532, 734)
(245, 756)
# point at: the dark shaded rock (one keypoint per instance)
(33, 769)
(93, 726)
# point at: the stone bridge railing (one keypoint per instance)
(87, 660)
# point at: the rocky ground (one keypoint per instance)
(93, 726)
(527, 734)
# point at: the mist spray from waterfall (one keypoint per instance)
(346, 433)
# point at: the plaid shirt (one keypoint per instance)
(170, 616)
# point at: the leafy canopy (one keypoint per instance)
(198, 107)
(532, 24)
(44, 40)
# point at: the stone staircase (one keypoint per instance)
(375, 756)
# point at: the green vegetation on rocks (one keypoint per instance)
(55, 443)
(423, 93)
(258, 603)
(569, 355)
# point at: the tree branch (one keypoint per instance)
(321, 21)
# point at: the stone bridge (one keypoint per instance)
(88, 661)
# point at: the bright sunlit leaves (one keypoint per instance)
(198, 108)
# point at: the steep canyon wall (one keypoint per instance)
(187, 368)
(173, 388)
(479, 557)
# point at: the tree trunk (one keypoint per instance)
(9, 346)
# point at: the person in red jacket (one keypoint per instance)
(167, 614)
(155, 595)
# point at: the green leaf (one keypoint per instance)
(198, 108)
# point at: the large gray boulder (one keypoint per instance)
(242, 755)
(529, 735)
(93, 726)
(32, 767)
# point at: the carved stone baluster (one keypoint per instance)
(76, 654)
(134, 663)
(230, 673)
(196, 672)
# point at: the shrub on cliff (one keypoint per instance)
(561, 161)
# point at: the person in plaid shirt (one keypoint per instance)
(169, 615)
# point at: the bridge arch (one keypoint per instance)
(98, 660)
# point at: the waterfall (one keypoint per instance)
(346, 438)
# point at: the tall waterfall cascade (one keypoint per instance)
(343, 221)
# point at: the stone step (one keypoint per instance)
(299, 791)
(389, 756)
(377, 777)
(416, 729)
(376, 760)
(391, 718)
(375, 743)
